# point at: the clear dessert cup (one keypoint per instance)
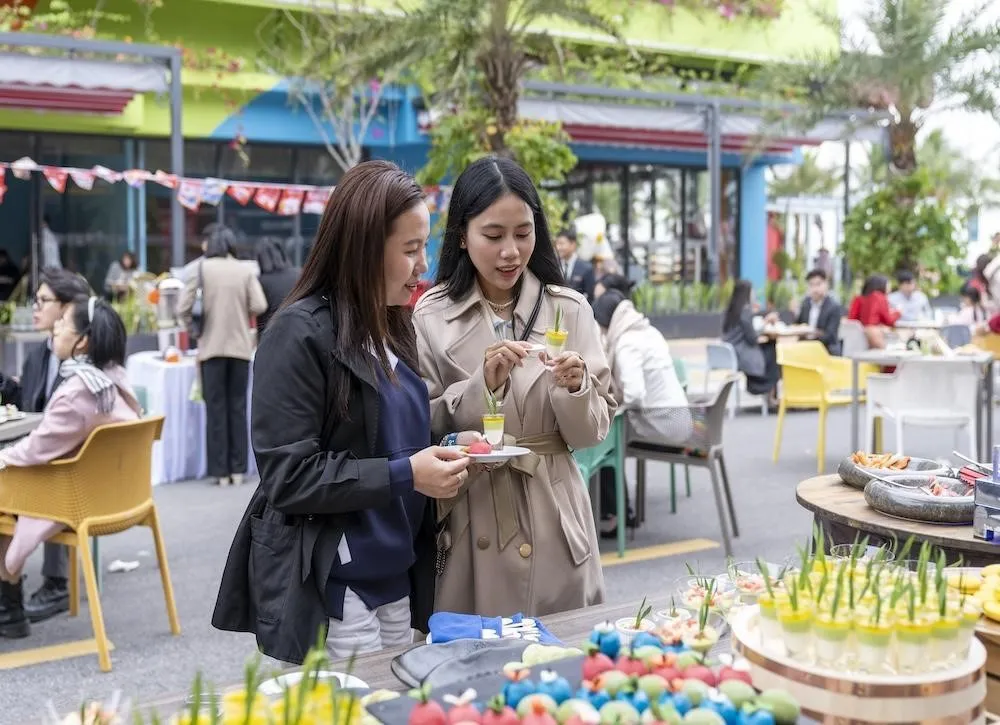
(913, 638)
(702, 640)
(748, 582)
(770, 628)
(692, 590)
(627, 630)
(493, 426)
(673, 615)
(555, 342)
(945, 639)
(796, 629)
(967, 628)
(873, 643)
(830, 637)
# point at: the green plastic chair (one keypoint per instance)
(680, 369)
(609, 453)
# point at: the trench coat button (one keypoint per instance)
(524, 550)
(483, 543)
(310, 517)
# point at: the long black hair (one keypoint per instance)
(481, 184)
(738, 302)
(345, 265)
(271, 256)
(104, 329)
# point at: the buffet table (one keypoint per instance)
(843, 513)
(180, 453)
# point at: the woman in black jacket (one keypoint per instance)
(31, 393)
(340, 534)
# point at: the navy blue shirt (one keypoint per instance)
(378, 543)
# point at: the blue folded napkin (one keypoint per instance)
(448, 626)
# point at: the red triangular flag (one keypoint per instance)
(3, 184)
(291, 203)
(56, 178)
(242, 194)
(267, 198)
(315, 201)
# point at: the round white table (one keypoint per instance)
(166, 387)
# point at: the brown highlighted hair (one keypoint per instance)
(345, 265)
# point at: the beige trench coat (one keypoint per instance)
(517, 541)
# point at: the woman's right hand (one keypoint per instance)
(500, 359)
(439, 472)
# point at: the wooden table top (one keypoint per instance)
(572, 628)
(832, 499)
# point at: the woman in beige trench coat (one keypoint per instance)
(521, 537)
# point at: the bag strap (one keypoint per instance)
(530, 323)
(201, 278)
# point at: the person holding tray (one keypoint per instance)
(519, 537)
(340, 533)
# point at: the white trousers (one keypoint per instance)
(363, 630)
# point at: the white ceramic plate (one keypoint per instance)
(276, 686)
(502, 456)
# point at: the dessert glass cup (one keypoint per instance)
(967, 628)
(912, 640)
(749, 582)
(673, 615)
(873, 642)
(702, 641)
(944, 639)
(493, 430)
(627, 630)
(830, 637)
(234, 704)
(879, 553)
(691, 593)
(770, 628)
(796, 629)
(555, 342)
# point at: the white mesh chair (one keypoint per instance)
(722, 356)
(852, 337)
(930, 392)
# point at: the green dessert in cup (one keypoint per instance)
(555, 336)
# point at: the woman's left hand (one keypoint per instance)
(567, 369)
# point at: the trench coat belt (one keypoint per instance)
(502, 481)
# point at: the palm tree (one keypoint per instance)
(807, 179)
(909, 61)
(470, 52)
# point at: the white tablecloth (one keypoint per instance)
(180, 454)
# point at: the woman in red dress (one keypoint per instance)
(871, 309)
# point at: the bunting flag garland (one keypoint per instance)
(212, 191)
(291, 203)
(242, 194)
(315, 202)
(189, 195)
(281, 199)
(56, 178)
(267, 198)
(83, 179)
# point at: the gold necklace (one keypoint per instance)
(498, 306)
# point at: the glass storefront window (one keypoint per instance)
(16, 210)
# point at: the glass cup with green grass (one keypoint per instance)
(556, 336)
(493, 422)
(873, 632)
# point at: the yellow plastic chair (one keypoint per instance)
(813, 379)
(104, 489)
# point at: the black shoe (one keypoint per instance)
(13, 622)
(50, 599)
(609, 525)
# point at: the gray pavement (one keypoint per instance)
(198, 522)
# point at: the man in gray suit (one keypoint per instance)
(578, 273)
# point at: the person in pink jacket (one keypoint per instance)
(89, 340)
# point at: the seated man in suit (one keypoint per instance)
(578, 273)
(821, 312)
